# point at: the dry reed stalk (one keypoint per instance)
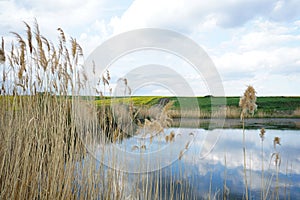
(248, 105)
(296, 112)
(262, 137)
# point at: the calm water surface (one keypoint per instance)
(211, 159)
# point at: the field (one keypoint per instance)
(268, 107)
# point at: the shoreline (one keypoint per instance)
(250, 123)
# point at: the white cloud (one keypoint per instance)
(248, 40)
(284, 10)
(270, 71)
(84, 20)
(230, 144)
(186, 15)
(282, 61)
(263, 53)
(74, 17)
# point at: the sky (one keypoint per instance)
(251, 42)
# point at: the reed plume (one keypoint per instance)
(2, 52)
(262, 134)
(248, 102)
(277, 160)
(276, 141)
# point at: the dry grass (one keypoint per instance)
(39, 144)
(297, 112)
(36, 156)
(231, 112)
(41, 153)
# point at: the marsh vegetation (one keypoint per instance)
(56, 144)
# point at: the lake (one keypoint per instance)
(206, 163)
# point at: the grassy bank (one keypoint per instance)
(268, 107)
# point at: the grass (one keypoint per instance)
(138, 101)
(268, 107)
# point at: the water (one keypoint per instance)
(211, 163)
(213, 170)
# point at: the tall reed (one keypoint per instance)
(42, 155)
(248, 106)
(262, 137)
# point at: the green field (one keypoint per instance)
(267, 106)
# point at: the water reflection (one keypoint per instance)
(199, 175)
(230, 147)
(209, 175)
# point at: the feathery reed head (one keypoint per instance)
(248, 102)
(167, 138)
(29, 37)
(172, 136)
(262, 134)
(143, 147)
(181, 154)
(2, 54)
(277, 158)
(276, 141)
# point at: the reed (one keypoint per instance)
(248, 106)
(40, 144)
(262, 137)
(42, 155)
(276, 158)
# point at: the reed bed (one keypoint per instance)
(40, 150)
(231, 113)
(42, 154)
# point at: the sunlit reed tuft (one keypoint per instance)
(2, 52)
(262, 134)
(276, 141)
(248, 102)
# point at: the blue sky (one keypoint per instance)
(254, 42)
